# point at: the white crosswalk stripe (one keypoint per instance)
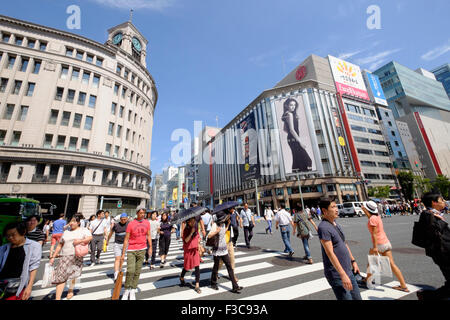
(256, 270)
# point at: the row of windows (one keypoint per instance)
(28, 42)
(117, 150)
(9, 111)
(363, 129)
(360, 110)
(131, 77)
(83, 56)
(66, 115)
(70, 98)
(377, 176)
(359, 118)
(372, 152)
(61, 142)
(15, 139)
(366, 140)
(374, 164)
(15, 90)
(24, 62)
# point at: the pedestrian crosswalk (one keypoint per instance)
(261, 278)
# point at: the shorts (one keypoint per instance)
(118, 247)
(382, 248)
(56, 237)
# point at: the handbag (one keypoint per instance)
(213, 241)
(303, 230)
(81, 250)
(380, 265)
(48, 274)
(9, 287)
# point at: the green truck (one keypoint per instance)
(17, 209)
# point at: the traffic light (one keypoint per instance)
(395, 164)
(416, 163)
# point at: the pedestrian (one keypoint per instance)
(339, 263)
(120, 230)
(301, 220)
(19, 260)
(220, 252)
(319, 213)
(229, 242)
(236, 221)
(58, 230)
(283, 219)
(191, 255)
(69, 265)
(268, 216)
(34, 233)
(98, 228)
(46, 230)
(437, 239)
(135, 244)
(248, 223)
(313, 213)
(207, 222)
(154, 227)
(165, 231)
(109, 221)
(91, 218)
(380, 242)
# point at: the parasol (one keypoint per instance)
(187, 214)
(225, 206)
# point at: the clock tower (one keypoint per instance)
(128, 38)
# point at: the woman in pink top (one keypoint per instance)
(380, 241)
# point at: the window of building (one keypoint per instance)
(108, 149)
(121, 111)
(19, 41)
(387, 177)
(11, 61)
(127, 134)
(374, 131)
(86, 77)
(48, 141)
(125, 74)
(60, 142)
(96, 81)
(75, 74)
(4, 83)
(37, 66)
(92, 101)
(8, 112)
(2, 137)
(64, 72)
(353, 108)
(396, 143)
(393, 133)
(89, 58)
(88, 123)
(23, 113)
(53, 116)
(77, 120)
(378, 142)
(30, 89)
(368, 164)
(113, 108)
(73, 143)
(358, 128)
(119, 131)
(134, 135)
(24, 66)
(135, 117)
(84, 145)
(124, 90)
(116, 151)
(372, 176)
(70, 96)
(6, 37)
(16, 138)
(381, 153)
(384, 164)
(111, 128)
(79, 55)
(59, 93)
(82, 98)
(129, 115)
(131, 155)
(17, 86)
(361, 139)
(119, 69)
(116, 89)
(364, 151)
(99, 62)
(65, 119)
(69, 52)
(400, 154)
(42, 45)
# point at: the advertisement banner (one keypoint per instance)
(375, 89)
(340, 132)
(249, 149)
(295, 139)
(348, 78)
(175, 194)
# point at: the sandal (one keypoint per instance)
(399, 288)
(182, 283)
(198, 290)
(69, 295)
(310, 261)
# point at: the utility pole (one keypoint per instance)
(257, 200)
(300, 190)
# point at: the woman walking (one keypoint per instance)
(165, 231)
(220, 252)
(380, 241)
(154, 227)
(301, 219)
(191, 254)
(19, 260)
(69, 266)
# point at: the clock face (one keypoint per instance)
(117, 38)
(137, 44)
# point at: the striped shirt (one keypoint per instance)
(36, 235)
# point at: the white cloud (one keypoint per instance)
(436, 52)
(376, 58)
(136, 4)
(349, 54)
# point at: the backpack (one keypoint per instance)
(419, 236)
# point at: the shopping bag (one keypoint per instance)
(105, 245)
(380, 265)
(48, 275)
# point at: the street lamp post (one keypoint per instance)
(300, 190)
(257, 200)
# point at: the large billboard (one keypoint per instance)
(295, 139)
(374, 86)
(249, 149)
(348, 78)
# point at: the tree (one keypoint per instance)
(406, 181)
(442, 184)
(424, 184)
(380, 192)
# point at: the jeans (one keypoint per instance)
(154, 243)
(134, 266)
(285, 235)
(341, 293)
(269, 226)
(235, 235)
(178, 231)
(248, 234)
(306, 247)
(96, 247)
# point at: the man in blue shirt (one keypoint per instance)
(339, 263)
(58, 230)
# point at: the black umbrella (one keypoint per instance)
(187, 214)
(225, 206)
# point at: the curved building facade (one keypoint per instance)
(76, 117)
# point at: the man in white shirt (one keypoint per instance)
(247, 217)
(98, 230)
(268, 215)
(283, 219)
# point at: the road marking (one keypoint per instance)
(385, 292)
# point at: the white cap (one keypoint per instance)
(371, 206)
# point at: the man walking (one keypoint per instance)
(58, 230)
(247, 222)
(135, 244)
(120, 229)
(268, 215)
(338, 260)
(99, 233)
(283, 219)
(236, 221)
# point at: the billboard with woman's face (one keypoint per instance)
(296, 145)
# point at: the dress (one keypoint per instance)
(191, 255)
(301, 161)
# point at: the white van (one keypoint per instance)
(351, 209)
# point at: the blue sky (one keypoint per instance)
(211, 58)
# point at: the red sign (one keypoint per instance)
(301, 73)
(427, 143)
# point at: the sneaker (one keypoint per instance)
(126, 294)
(291, 253)
(133, 294)
(215, 287)
(116, 273)
(236, 290)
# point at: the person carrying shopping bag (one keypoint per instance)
(301, 219)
